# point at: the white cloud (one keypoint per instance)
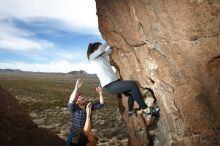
(58, 66)
(21, 44)
(12, 38)
(7, 28)
(69, 15)
(73, 14)
(75, 55)
(55, 54)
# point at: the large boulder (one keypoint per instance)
(171, 48)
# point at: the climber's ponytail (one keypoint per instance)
(92, 47)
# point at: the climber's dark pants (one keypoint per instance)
(119, 86)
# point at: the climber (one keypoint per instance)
(98, 56)
(77, 107)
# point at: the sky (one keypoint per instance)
(47, 35)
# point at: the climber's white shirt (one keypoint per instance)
(100, 61)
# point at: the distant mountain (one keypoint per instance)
(10, 70)
(81, 72)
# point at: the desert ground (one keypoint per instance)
(45, 97)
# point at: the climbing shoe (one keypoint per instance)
(154, 111)
(130, 113)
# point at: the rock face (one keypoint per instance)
(172, 48)
(18, 129)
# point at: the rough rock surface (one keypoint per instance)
(172, 48)
(18, 129)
